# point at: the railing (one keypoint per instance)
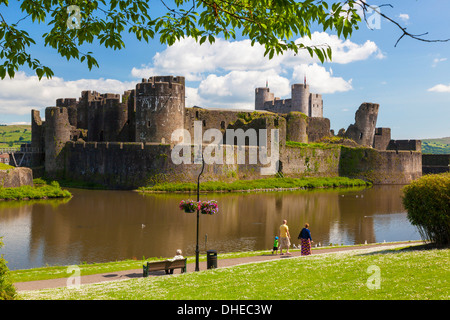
(20, 150)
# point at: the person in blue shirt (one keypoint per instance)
(305, 240)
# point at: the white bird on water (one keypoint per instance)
(143, 226)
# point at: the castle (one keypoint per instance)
(310, 104)
(127, 141)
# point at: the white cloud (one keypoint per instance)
(436, 61)
(343, 52)
(236, 89)
(320, 80)
(186, 57)
(228, 72)
(440, 88)
(404, 17)
(23, 93)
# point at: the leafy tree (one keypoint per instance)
(427, 201)
(272, 23)
(7, 290)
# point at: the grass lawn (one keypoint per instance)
(404, 274)
(40, 190)
(259, 184)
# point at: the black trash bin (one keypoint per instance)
(211, 259)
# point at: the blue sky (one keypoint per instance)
(411, 82)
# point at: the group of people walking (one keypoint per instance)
(283, 240)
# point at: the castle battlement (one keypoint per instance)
(301, 100)
(128, 142)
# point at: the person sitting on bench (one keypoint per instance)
(178, 256)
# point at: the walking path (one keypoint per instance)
(221, 263)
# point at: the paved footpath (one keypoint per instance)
(137, 273)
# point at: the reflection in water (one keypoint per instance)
(99, 226)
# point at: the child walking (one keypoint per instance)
(275, 245)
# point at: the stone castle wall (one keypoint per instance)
(127, 143)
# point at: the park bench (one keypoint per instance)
(165, 265)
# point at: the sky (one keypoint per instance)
(411, 81)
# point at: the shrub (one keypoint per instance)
(7, 290)
(427, 201)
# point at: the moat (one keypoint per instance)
(101, 226)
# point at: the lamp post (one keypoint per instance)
(198, 212)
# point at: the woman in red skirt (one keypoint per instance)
(305, 240)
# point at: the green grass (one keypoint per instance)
(405, 274)
(259, 184)
(14, 135)
(436, 146)
(4, 166)
(40, 190)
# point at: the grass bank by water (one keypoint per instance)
(403, 273)
(258, 184)
(40, 190)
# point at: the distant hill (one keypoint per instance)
(13, 136)
(436, 146)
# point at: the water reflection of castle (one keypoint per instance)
(71, 233)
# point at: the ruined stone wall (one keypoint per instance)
(382, 138)
(405, 145)
(435, 163)
(309, 161)
(131, 165)
(318, 128)
(363, 130)
(16, 177)
(296, 127)
(380, 167)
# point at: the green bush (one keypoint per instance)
(7, 289)
(427, 201)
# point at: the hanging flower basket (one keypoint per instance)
(209, 207)
(188, 206)
(205, 207)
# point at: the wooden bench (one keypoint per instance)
(165, 265)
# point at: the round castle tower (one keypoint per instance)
(300, 98)
(160, 103)
(57, 133)
(262, 95)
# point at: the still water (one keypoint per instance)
(100, 226)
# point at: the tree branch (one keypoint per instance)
(364, 5)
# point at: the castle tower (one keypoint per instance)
(57, 133)
(115, 116)
(262, 95)
(160, 103)
(300, 98)
(315, 106)
(363, 130)
(37, 131)
(71, 105)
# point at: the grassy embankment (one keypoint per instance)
(40, 190)
(404, 273)
(259, 184)
(12, 136)
(436, 146)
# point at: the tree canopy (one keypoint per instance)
(275, 24)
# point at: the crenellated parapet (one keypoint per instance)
(160, 104)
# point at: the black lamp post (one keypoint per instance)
(198, 215)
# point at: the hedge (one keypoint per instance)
(427, 201)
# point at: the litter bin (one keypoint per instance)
(211, 259)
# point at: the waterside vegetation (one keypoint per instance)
(39, 190)
(258, 185)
